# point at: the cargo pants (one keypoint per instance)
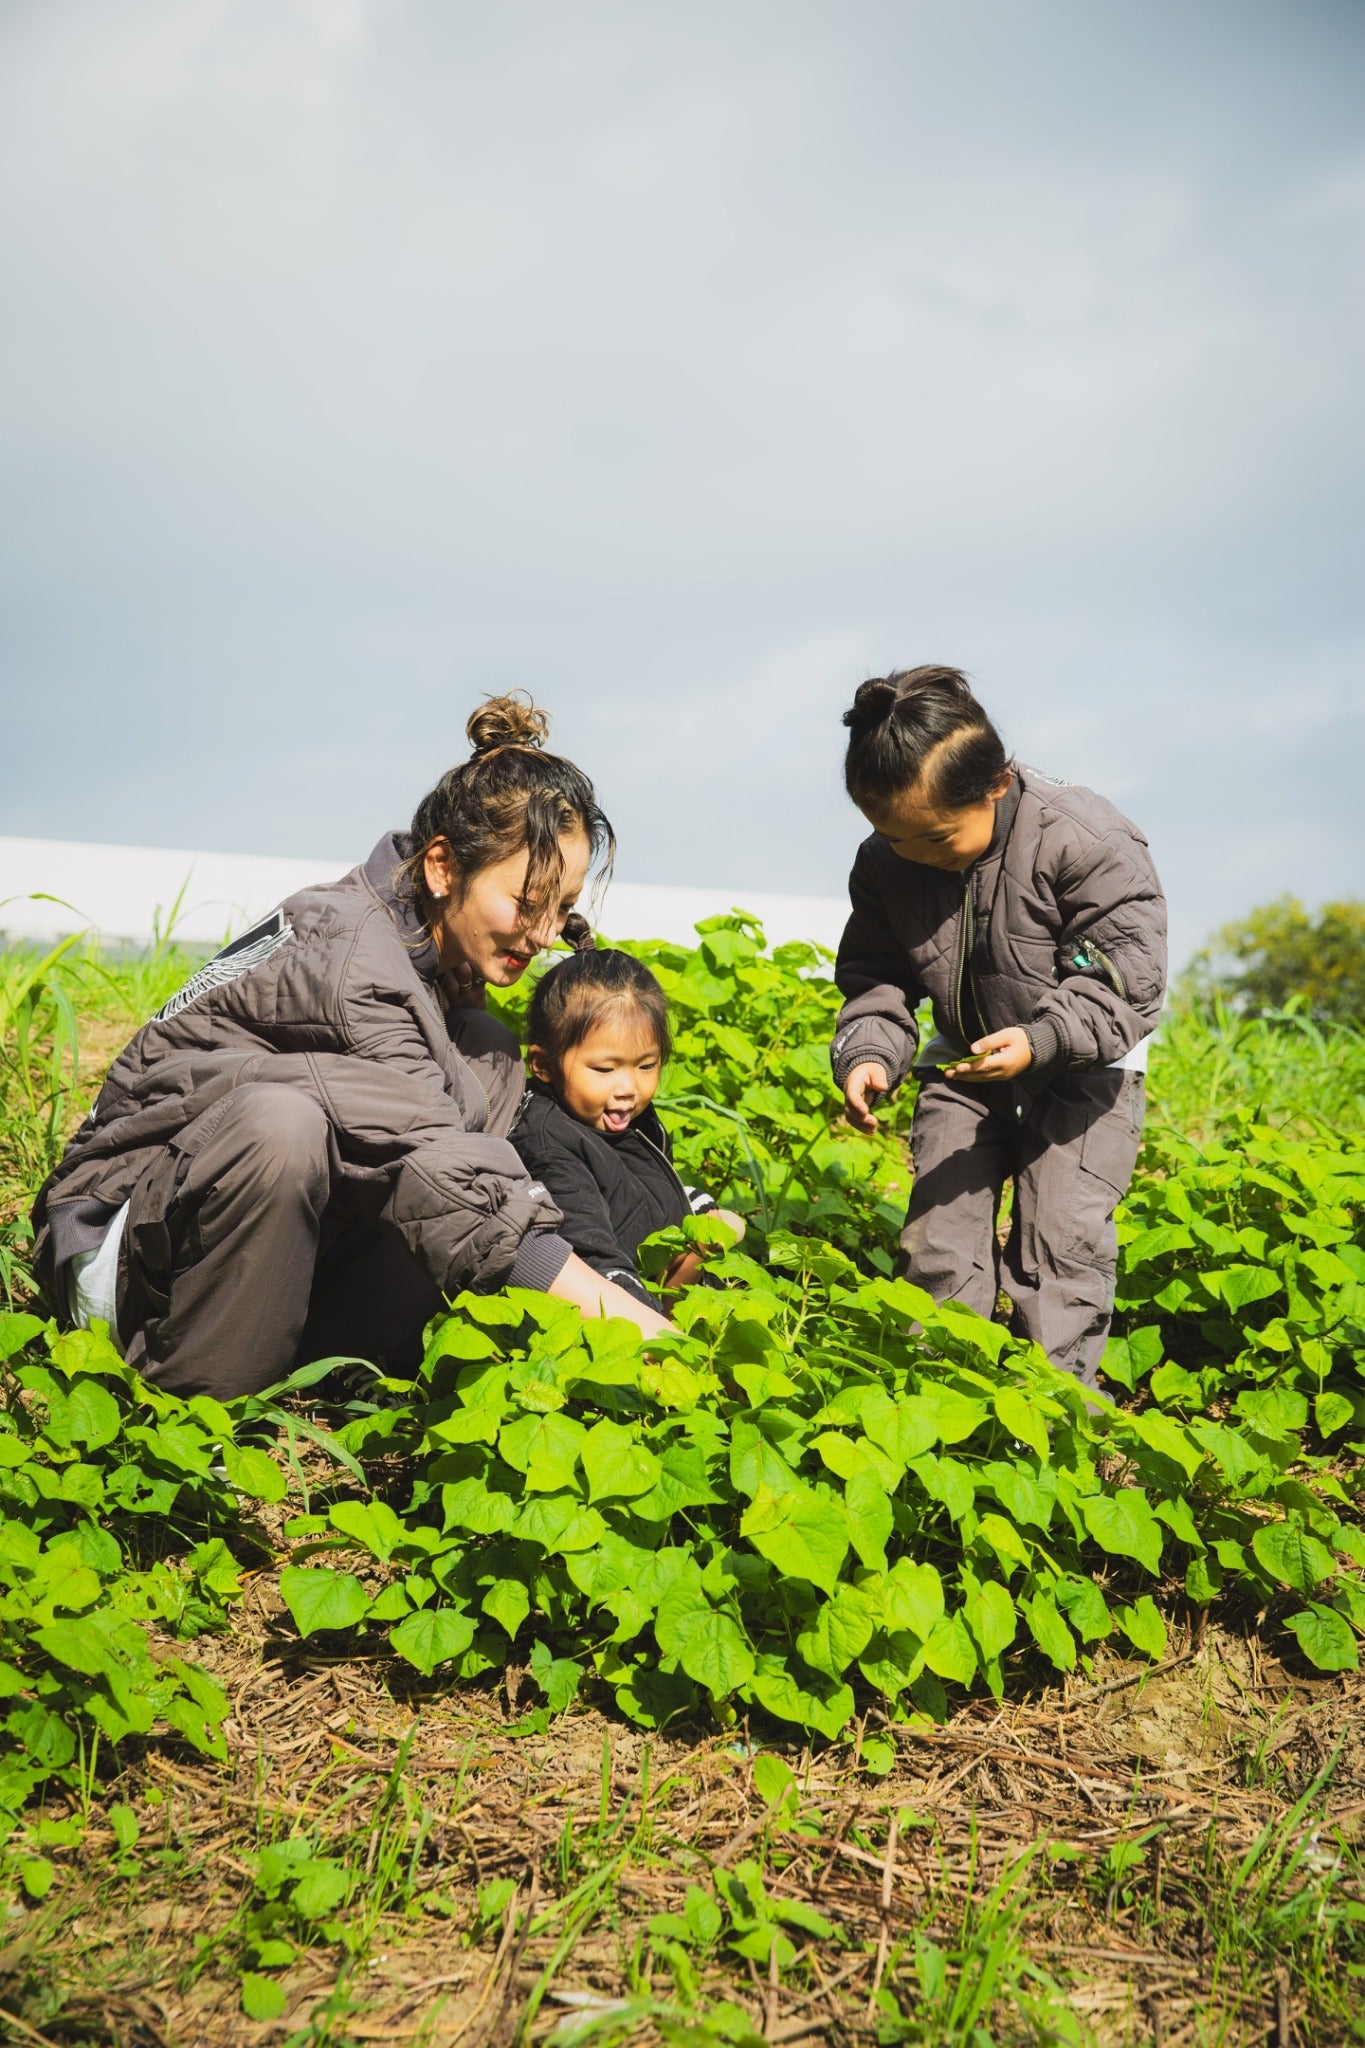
(248, 1251)
(1070, 1150)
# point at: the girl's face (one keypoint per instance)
(920, 831)
(485, 933)
(609, 1078)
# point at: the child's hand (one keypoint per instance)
(868, 1079)
(731, 1222)
(1009, 1052)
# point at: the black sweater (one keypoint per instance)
(613, 1190)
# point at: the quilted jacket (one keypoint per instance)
(1060, 927)
(335, 994)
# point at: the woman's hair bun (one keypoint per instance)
(510, 721)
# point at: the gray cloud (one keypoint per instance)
(684, 363)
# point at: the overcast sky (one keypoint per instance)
(684, 361)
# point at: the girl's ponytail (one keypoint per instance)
(921, 728)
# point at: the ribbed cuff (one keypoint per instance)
(541, 1257)
(1049, 1047)
(848, 1057)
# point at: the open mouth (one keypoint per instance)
(616, 1119)
(520, 961)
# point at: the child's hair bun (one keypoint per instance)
(873, 701)
(578, 933)
(510, 721)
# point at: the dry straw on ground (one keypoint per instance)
(1209, 1751)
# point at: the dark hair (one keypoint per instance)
(919, 719)
(508, 795)
(579, 992)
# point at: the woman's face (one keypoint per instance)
(485, 933)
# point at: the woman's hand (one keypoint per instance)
(867, 1080)
(588, 1291)
(463, 989)
(1008, 1053)
(684, 1271)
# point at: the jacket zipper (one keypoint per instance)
(965, 937)
(668, 1163)
(1088, 954)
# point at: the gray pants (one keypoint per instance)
(238, 1263)
(1070, 1152)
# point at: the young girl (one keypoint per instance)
(598, 1037)
(1029, 912)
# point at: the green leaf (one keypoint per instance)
(1049, 1631)
(558, 1521)
(1169, 1438)
(870, 1518)
(1083, 1601)
(878, 1757)
(254, 1472)
(1332, 1411)
(321, 1886)
(508, 1603)
(1004, 1539)
(1292, 1556)
(1123, 1524)
(36, 1874)
(617, 1464)
(1325, 1639)
(545, 1448)
(558, 1678)
(840, 1631)
(912, 1598)
(1203, 1580)
(124, 1823)
(432, 1636)
(949, 1651)
(319, 1599)
(262, 1997)
(81, 1645)
(1238, 1286)
(817, 1703)
(372, 1524)
(773, 1780)
(16, 1331)
(989, 1613)
(1172, 1384)
(796, 1913)
(1233, 1455)
(708, 1645)
(682, 1483)
(1143, 1626)
(93, 1416)
(702, 1914)
(803, 1534)
(1021, 1418)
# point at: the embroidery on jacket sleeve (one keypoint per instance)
(244, 953)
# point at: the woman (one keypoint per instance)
(306, 1149)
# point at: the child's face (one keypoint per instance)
(611, 1077)
(937, 838)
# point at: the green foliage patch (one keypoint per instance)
(820, 1493)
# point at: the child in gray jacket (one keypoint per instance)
(1029, 912)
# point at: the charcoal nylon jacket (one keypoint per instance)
(335, 994)
(613, 1190)
(1060, 927)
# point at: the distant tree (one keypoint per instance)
(1282, 952)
